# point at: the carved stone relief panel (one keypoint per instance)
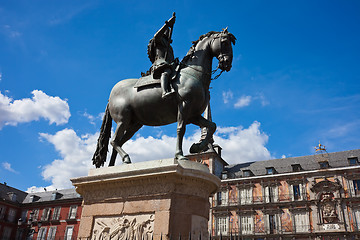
(126, 227)
(328, 207)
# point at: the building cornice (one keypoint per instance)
(295, 174)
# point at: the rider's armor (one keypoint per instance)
(161, 55)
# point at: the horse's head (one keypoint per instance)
(221, 47)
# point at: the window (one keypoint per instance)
(246, 223)
(224, 175)
(353, 161)
(246, 195)
(6, 233)
(354, 186)
(11, 215)
(69, 232)
(301, 222)
(41, 234)
(270, 170)
(296, 167)
(33, 198)
(247, 173)
(19, 234)
(12, 196)
(46, 214)
(34, 215)
(72, 212)
(2, 211)
(324, 165)
(24, 216)
(271, 194)
(56, 214)
(221, 225)
(53, 196)
(272, 223)
(297, 191)
(52, 233)
(222, 198)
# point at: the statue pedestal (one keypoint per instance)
(135, 201)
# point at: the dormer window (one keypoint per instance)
(296, 167)
(324, 165)
(353, 161)
(247, 173)
(224, 175)
(270, 171)
(12, 196)
(54, 196)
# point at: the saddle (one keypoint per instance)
(148, 78)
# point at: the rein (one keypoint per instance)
(206, 73)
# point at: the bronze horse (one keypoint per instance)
(131, 107)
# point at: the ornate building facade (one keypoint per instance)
(49, 215)
(309, 197)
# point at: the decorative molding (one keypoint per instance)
(187, 178)
(326, 186)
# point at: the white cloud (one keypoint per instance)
(0, 76)
(262, 99)
(244, 101)
(34, 189)
(227, 96)
(10, 32)
(243, 145)
(239, 145)
(7, 166)
(53, 109)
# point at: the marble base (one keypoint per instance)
(137, 201)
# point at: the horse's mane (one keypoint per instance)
(192, 48)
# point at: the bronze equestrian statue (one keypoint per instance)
(137, 102)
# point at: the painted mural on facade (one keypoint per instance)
(286, 222)
(233, 195)
(259, 222)
(234, 222)
(257, 193)
(284, 194)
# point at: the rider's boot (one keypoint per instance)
(165, 85)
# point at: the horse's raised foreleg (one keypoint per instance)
(128, 134)
(211, 126)
(181, 127)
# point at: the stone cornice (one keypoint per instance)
(145, 179)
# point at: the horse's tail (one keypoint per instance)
(99, 157)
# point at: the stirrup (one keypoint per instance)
(167, 94)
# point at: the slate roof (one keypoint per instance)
(64, 194)
(5, 193)
(284, 165)
(24, 197)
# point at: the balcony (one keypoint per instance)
(267, 231)
(261, 200)
(71, 218)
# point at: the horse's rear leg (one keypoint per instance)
(115, 142)
(211, 126)
(128, 134)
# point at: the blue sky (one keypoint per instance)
(295, 80)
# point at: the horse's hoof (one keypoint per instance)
(126, 159)
(195, 148)
(181, 157)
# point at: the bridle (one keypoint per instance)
(220, 58)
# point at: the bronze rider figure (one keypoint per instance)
(161, 55)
